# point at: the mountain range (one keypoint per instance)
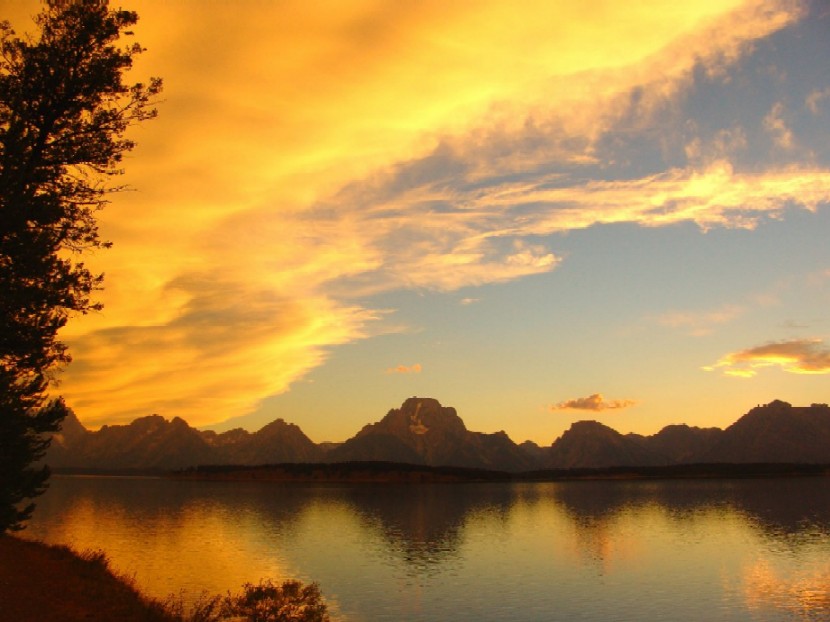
(424, 432)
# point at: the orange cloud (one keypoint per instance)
(594, 402)
(405, 369)
(798, 356)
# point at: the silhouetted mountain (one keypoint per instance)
(277, 442)
(535, 453)
(327, 446)
(155, 443)
(225, 439)
(71, 434)
(776, 432)
(424, 432)
(147, 443)
(378, 447)
(682, 443)
(590, 444)
(498, 453)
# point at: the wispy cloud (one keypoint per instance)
(700, 323)
(815, 100)
(595, 402)
(776, 126)
(405, 369)
(723, 146)
(714, 196)
(797, 356)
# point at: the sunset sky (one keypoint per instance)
(535, 212)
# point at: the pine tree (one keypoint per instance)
(64, 111)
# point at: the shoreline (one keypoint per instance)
(404, 473)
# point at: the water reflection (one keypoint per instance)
(783, 509)
(803, 594)
(424, 524)
(734, 549)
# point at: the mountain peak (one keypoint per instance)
(418, 422)
(425, 413)
(593, 444)
(588, 426)
(776, 432)
(424, 431)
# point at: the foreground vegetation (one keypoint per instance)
(60, 584)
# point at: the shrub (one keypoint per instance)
(266, 602)
(291, 601)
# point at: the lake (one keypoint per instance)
(737, 550)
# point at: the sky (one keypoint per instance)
(534, 212)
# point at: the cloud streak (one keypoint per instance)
(405, 369)
(797, 356)
(701, 323)
(595, 402)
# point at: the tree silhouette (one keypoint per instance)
(64, 110)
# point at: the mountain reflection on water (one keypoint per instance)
(755, 549)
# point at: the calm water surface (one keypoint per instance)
(737, 550)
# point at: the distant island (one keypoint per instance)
(425, 441)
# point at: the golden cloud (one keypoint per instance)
(595, 402)
(797, 356)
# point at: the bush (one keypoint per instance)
(266, 602)
(292, 601)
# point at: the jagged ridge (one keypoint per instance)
(424, 432)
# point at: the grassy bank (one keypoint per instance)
(41, 582)
(44, 583)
